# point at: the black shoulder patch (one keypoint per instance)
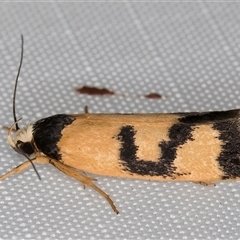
(47, 133)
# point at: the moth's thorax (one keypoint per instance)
(48, 131)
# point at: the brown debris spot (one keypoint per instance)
(153, 96)
(94, 91)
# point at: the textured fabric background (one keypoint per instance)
(188, 52)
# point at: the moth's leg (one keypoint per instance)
(24, 166)
(207, 184)
(42, 159)
(87, 181)
(86, 109)
(8, 128)
(17, 169)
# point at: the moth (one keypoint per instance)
(198, 147)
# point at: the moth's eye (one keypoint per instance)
(26, 147)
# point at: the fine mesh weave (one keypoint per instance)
(187, 52)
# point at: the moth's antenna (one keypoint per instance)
(15, 87)
(32, 165)
(14, 104)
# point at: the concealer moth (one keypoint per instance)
(198, 147)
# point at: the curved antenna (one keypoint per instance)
(14, 110)
(16, 82)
